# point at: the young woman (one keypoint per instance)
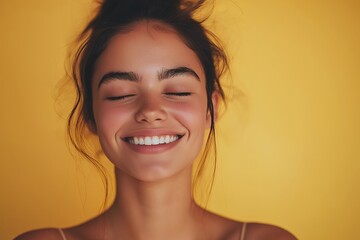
(147, 77)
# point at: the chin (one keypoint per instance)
(156, 172)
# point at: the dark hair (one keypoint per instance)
(115, 16)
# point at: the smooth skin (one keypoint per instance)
(149, 83)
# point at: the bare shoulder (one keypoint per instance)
(41, 234)
(260, 231)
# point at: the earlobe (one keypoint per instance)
(92, 127)
(215, 103)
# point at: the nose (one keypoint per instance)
(150, 110)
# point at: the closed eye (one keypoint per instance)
(122, 97)
(180, 94)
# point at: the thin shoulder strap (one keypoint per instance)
(243, 229)
(62, 233)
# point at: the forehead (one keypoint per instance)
(145, 46)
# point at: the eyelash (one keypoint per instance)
(179, 94)
(123, 97)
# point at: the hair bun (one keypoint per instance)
(114, 11)
(141, 8)
(161, 4)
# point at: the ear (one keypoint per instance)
(215, 101)
(92, 126)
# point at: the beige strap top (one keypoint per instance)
(62, 234)
(242, 236)
(243, 229)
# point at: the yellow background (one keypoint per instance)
(289, 142)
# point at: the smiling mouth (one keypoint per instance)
(153, 140)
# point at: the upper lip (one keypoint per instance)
(151, 132)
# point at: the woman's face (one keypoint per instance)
(149, 101)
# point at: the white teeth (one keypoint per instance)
(154, 140)
(147, 140)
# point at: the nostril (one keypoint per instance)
(150, 115)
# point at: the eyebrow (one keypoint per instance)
(173, 72)
(128, 76)
(162, 75)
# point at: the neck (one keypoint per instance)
(162, 209)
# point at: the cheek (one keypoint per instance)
(192, 115)
(109, 118)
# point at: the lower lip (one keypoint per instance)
(153, 148)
